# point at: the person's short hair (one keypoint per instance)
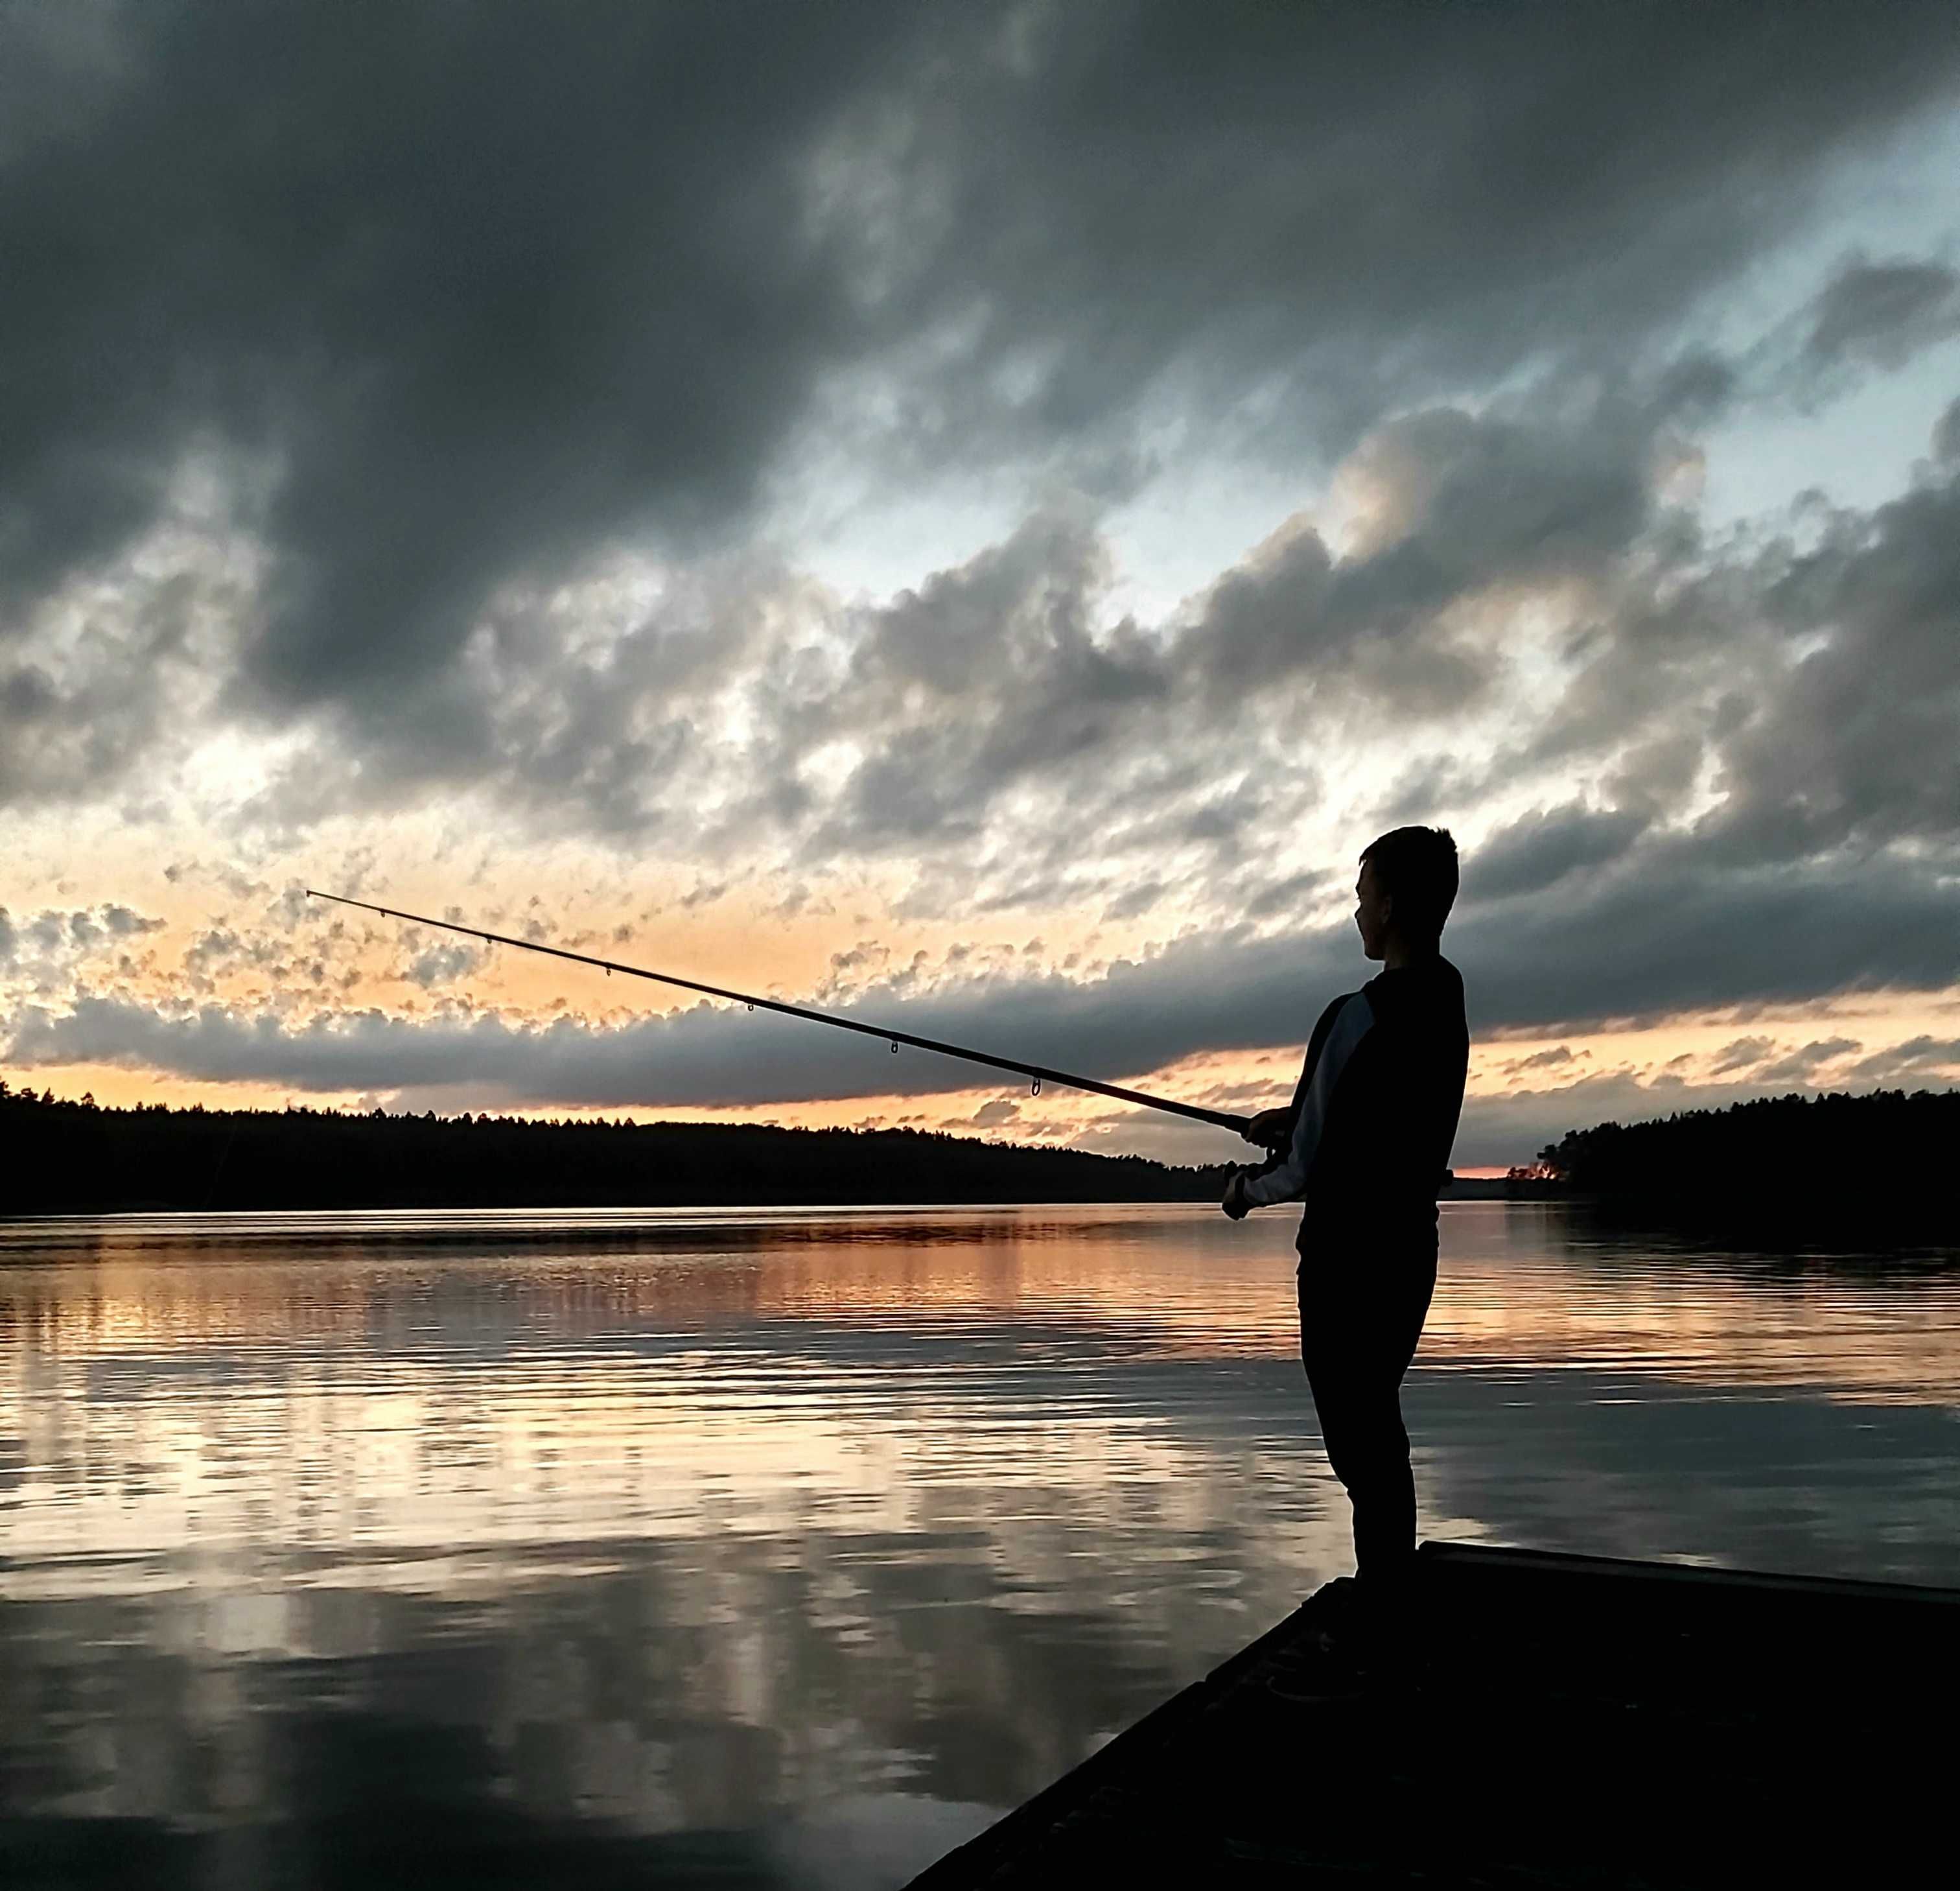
(1416, 867)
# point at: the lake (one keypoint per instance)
(788, 1547)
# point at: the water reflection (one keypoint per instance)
(779, 1548)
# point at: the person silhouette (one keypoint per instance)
(1364, 1143)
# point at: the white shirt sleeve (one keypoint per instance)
(1287, 1183)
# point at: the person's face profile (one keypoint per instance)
(1373, 910)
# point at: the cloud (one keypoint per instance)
(1135, 902)
(1678, 927)
(987, 674)
(442, 963)
(1914, 1060)
(55, 940)
(1867, 318)
(992, 1115)
(1802, 1065)
(436, 417)
(1455, 507)
(984, 722)
(1682, 936)
(995, 710)
(104, 673)
(1796, 690)
(1131, 196)
(1741, 1053)
(1881, 314)
(485, 294)
(460, 304)
(1284, 898)
(1852, 739)
(1540, 849)
(1946, 434)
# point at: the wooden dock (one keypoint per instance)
(1549, 1721)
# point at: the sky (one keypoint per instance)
(973, 515)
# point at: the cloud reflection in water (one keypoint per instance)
(778, 1549)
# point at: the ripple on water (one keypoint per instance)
(804, 1536)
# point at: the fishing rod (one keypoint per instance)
(1040, 1073)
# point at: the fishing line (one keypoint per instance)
(1040, 1074)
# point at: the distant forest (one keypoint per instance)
(1880, 1158)
(59, 1156)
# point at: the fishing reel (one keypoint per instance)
(1276, 1146)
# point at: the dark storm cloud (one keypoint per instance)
(1284, 896)
(1855, 740)
(984, 675)
(1946, 435)
(1396, 198)
(1540, 849)
(1675, 928)
(1881, 314)
(1804, 686)
(474, 292)
(1869, 317)
(490, 287)
(1523, 493)
(597, 735)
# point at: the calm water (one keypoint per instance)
(785, 1548)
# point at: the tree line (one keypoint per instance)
(1880, 1157)
(58, 1156)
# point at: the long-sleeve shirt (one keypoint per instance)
(1376, 1109)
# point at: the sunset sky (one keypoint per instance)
(973, 515)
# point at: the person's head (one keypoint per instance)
(1406, 886)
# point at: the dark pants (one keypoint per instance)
(1360, 1320)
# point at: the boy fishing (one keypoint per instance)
(1363, 1145)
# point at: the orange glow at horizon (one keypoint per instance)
(1240, 1082)
(219, 940)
